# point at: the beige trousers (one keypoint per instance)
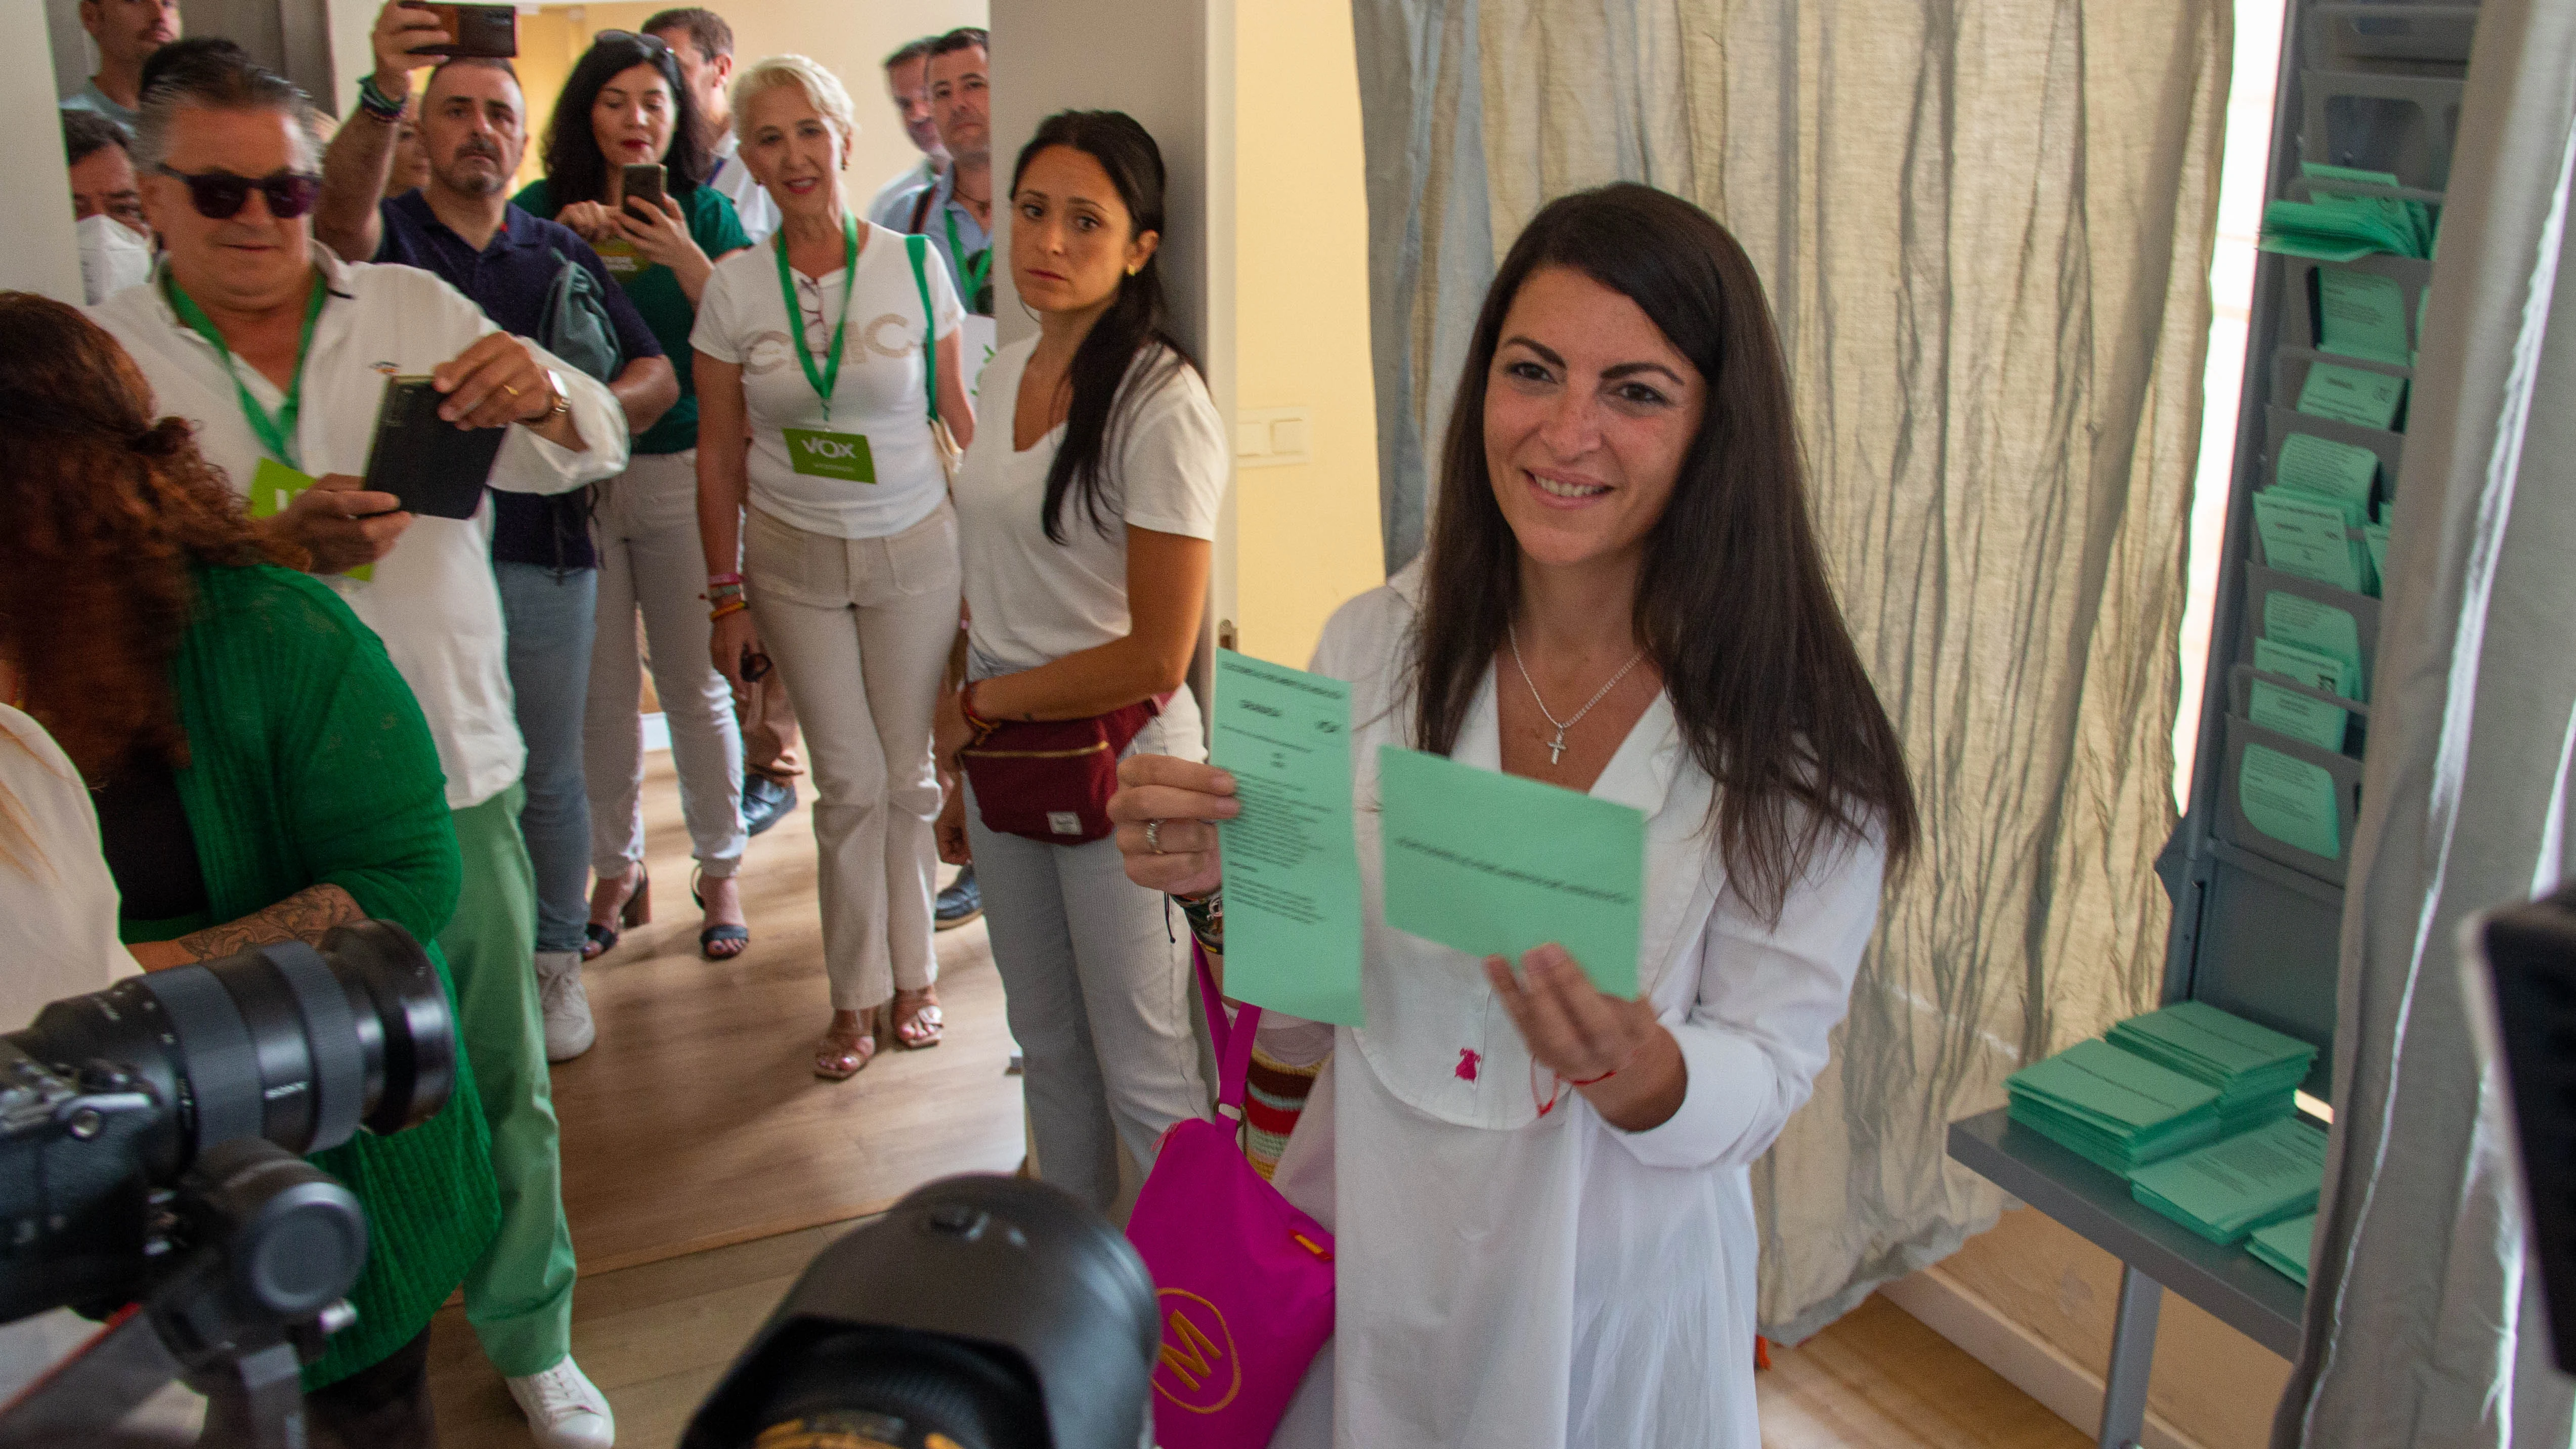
(860, 628)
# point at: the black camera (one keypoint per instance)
(978, 1313)
(150, 1141)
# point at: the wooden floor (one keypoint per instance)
(704, 1166)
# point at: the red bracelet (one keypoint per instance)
(1588, 1081)
(974, 717)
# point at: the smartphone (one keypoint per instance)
(644, 181)
(435, 467)
(481, 30)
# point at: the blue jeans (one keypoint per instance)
(549, 617)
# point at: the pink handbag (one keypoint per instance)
(1244, 1281)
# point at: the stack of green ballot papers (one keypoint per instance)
(2340, 227)
(2114, 1108)
(2254, 1068)
(2231, 1187)
(2283, 1247)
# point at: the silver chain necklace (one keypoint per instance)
(1556, 747)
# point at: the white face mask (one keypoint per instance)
(113, 257)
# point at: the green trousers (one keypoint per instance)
(518, 1295)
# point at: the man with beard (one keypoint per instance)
(126, 33)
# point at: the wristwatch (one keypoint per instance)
(563, 399)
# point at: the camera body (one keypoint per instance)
(75, 1202)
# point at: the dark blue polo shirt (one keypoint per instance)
(509, 280)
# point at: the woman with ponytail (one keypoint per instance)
(1084, 528)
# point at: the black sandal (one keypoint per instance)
(637, 911)
(713, 936)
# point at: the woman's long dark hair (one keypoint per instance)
(576, 169)
(1137, 321)
(1733, 602)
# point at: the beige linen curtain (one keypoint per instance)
(2425, 1325)
(1986, 227)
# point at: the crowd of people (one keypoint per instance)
(744, 449)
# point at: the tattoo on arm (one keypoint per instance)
(303, 916)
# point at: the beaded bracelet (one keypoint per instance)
(1206, 915)
(729, 606)
(714, 579)
(375, 102)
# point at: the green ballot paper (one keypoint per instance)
(1292, 865)
(2291, 800)
(2326, 468)
(2300, 716)
(2303, 535)
(2290, 618)
(1497, 865)
(2361, 314)
(2374, 536)
(2352, 395)
(2283, 1247)
(2227, 1189)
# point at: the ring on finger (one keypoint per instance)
(1154, 836)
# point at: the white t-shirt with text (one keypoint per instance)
(742, 319)
(1030, 600)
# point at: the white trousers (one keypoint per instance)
(1096, 988)
(646, 525)
(860, 628)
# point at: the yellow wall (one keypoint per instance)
(1306, 536)
(850, 38)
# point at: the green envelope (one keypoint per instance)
(2225, 1190)
(1496, 865)
(1292, 868)
(2326, 468)
(2352, 395)
(2361, 314)
(2290, 618)
(2291, 800)
(2303, 535)
(2283, 1246)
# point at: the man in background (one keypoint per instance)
(126, 33)
(107, 207)
(907, 77)
(956, 211)
(702, 43)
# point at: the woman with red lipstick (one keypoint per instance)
(1085, 525)
(625, 104)
(1540, 1193)
(824, 355)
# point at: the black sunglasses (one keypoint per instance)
(220, 195)
(655, 48)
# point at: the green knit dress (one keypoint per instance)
(309, 764)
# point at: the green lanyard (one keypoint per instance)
(276, 434)
(830, 375)
(973, 275)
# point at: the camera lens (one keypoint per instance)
(282, 1041)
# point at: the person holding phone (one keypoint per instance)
(1543, 1229)
(624, 110)
(279, 354)
(827, 359)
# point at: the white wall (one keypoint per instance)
(1170, 64)
(40, 256)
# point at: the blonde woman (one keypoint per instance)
(831, 547)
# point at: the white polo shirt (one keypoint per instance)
(432, 599)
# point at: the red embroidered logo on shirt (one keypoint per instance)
(1468, 1060)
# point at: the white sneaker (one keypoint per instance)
(569, 1030)
(565, 1409)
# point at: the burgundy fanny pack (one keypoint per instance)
(1050, 780)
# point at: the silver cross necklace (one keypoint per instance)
(1556, 747)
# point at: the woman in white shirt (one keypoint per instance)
(1085, 527)
(1544, 1224)
(832, 525)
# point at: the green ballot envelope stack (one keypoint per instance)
(2231, 1187)
(2255, 1069)
(2283, 1247)
(2116, 1109)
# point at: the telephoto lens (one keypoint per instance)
(979, 1313)
(107, 1099)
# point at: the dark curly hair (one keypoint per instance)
(109, 512)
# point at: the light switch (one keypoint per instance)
(1273, 437)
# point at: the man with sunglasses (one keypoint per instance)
(279, 354)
